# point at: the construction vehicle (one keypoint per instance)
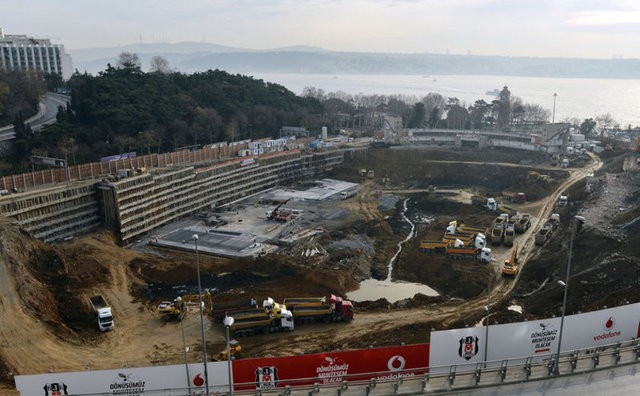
(335, 309)
(262, 323)
(497, 233)
(465, 239)
(295, 301)
(510, 267)
(544, 233)
(173, 310)
(522, 222)
(468, 235)
(497, 229)
(234, 351)
(103, 312)
(487, 202)
(469, 252)
(554, 219)
(519, 197)
(509, 234)
(273, 214)
(434, 246)
(228, 308)
(563, 200)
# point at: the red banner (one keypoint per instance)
(332, 367)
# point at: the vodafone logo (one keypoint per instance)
(610, 323)
(609, 331)
(396, 363)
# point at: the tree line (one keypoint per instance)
(124, 109)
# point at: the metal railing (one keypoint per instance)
(452, 379)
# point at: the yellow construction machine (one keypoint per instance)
(510, 267)
(234, 348)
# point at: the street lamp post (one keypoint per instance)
(553, 115)
(565, 285)
(228, 322)
(204, 343)
(186, 363)
(486, 321)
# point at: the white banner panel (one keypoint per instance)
(171, 380)
(466, 347)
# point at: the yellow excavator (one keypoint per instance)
(234, 348)
(510, 267)
(177, 309)
(173, 310)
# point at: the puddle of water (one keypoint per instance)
(372, 289)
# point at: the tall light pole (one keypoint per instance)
(553, 115)
(186, 363)
(204, 343)
(228, 322)
(565, 285)
(486, 321)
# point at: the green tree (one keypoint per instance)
(417, 117)
(587, 127)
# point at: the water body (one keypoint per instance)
(577, 98)
(373, 289)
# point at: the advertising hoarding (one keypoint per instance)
(331, 368)
(538, 339)
(127, 381)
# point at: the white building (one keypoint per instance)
(19, 52)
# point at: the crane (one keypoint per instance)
(272, 214)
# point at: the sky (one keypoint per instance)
(601, 29)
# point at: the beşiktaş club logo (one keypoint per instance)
(609, 327)
(266, 377)
(55, 389)
(468, 347)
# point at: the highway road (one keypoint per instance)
(46, 115)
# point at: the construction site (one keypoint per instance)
(295, 225)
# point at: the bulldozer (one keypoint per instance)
(234, 348)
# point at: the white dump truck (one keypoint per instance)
(103, 312)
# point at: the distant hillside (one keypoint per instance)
(191, 57)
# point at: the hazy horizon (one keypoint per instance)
(591, 29)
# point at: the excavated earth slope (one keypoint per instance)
(48, 325)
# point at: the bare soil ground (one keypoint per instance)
(48, 325)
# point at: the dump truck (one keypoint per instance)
(294, 301)
(220, 310)
(466, 239)
(262, 323)
(522, 222)
(497, 234)
(563, 200)
(509, 234)
(434, 246)
(469, 252)
(487, 202)
(544, 233)
(103, 312)
(510, 267)
(338, 311)
(173, 310)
